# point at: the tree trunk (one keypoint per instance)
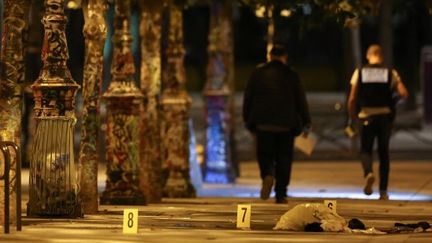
(94, 32)
(15, 24)
(356, 45)
(411, 77)
(33, 66)
(150, 144)
(386, 32)
(352, 60)
(175, 113)
(270, 28)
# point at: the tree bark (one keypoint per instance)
(14, 28)
(386, 32)
(352, 60)
(175, 113)
(150, 139)
(411, 78)
(270, 28)
(95, 33)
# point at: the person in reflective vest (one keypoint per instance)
(375, 89)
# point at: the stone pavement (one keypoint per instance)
(211, 217)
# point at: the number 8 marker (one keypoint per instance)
(130, 221)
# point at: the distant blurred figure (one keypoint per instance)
(275, 111)
(375, 89)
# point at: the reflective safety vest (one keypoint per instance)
(375, 87)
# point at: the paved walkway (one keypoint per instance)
(212, 216)
(328, 112)
(409, 181)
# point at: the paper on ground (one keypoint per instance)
(305, 144)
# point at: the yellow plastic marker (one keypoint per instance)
(332, 204)
(243, 215)
(130, 221)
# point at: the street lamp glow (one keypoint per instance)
(74, 4)
(260, 11)
(286, 13)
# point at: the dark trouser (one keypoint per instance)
(275, 153)
(378, 126)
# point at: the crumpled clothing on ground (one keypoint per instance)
(414, 228)
(302, 214)
(317, 217)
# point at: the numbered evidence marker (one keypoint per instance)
(332, 204)
(130, 221)
(243, 215)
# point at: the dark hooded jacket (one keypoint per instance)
(274, 97)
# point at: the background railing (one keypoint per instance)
(5, 147)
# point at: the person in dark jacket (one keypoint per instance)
(275, 110)
(371, 101)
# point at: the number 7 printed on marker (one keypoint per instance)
(243, 216)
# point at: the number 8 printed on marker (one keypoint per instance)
(130, 221)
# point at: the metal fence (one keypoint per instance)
(5, 147)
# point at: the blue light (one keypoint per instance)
(218, 167)
(195, 170)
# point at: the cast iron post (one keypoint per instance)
(53, 179)
(217, 92)
(123, 109)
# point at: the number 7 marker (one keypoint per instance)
(243, 215)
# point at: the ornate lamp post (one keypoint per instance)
(175, 114)
(219, 165)
(12, 78)
(150, 143)
(94, 31)
(123, 107)
(53, 183)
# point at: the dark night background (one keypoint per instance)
(316, 50)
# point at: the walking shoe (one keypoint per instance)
(267, 186)
(384, 195)
(281, 200)
(370, 179)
